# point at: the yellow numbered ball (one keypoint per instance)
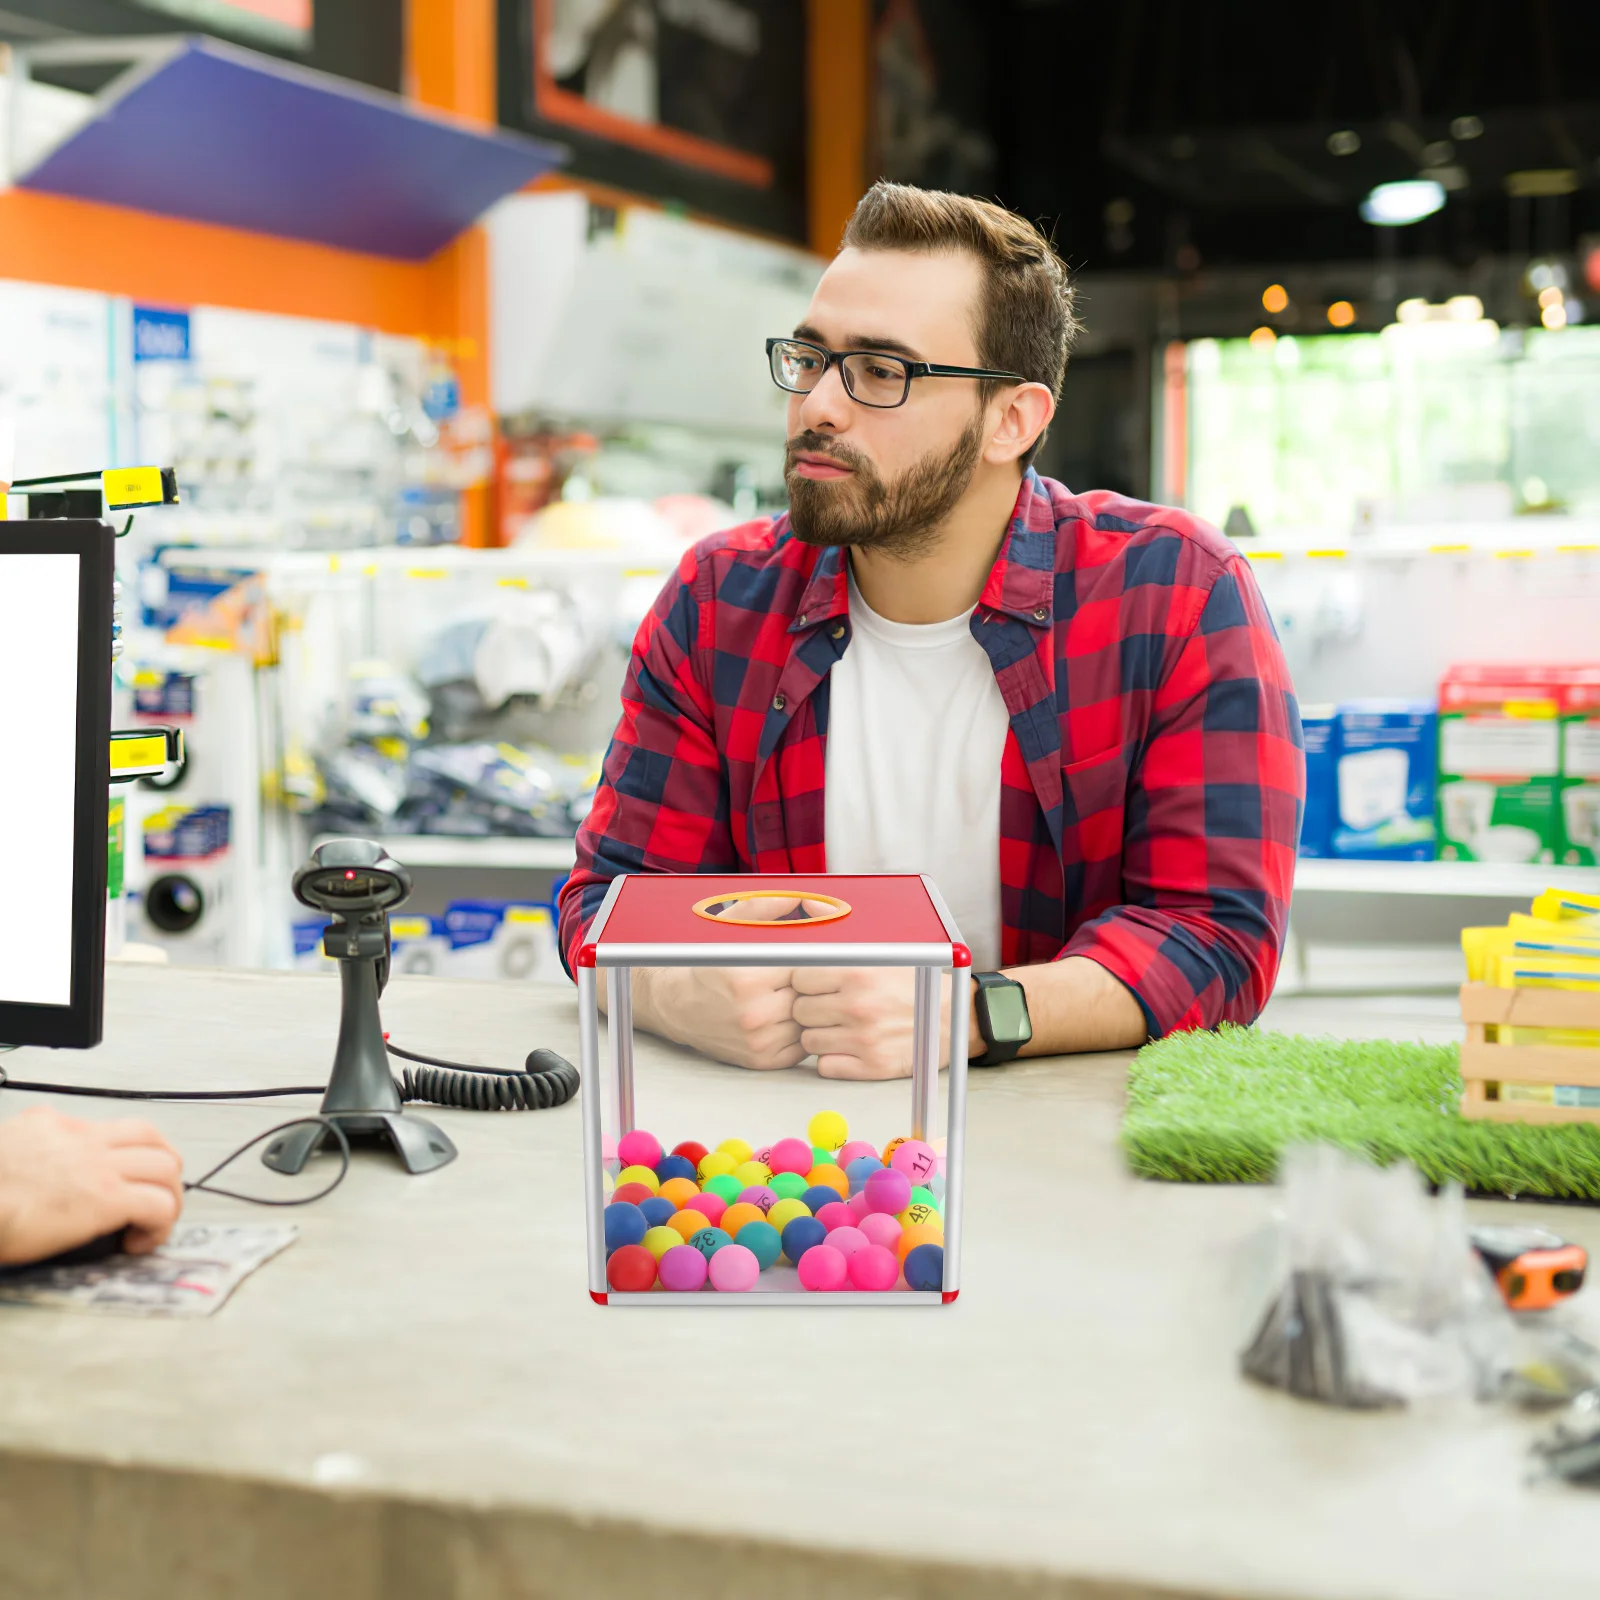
(830, 1175)
(828, 1130)
(714, 1163)
(737, 1148)
(750, 1173)
(680, 1191)
(910, 1238)
(660, 1240)
(785, 1211)
(639, 1175)
(735, 1217)
(921, 1216)
(890, 1148)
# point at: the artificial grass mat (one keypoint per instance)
(1220, 1107)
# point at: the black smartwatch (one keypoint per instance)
(1001, 1004)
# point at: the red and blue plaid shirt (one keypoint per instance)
(1153, 776)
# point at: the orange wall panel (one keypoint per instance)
(838, 50)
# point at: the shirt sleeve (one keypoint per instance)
(1213, 816)
(662, 803)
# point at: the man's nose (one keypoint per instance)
(828, 406)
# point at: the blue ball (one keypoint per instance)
(818, 1196)
(656, 1210)
(860, 1170)
(625, 1224)
(674, 1167)
(800, 1235)
(924, 1267)
(761, 1240)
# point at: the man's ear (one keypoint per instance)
(1025, 412)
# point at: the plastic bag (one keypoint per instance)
(1377, 1297)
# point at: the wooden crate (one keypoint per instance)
(1484, 1061)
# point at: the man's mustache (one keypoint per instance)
(819, 444)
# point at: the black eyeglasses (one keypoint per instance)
(869, 378)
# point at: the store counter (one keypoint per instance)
(419, 1401)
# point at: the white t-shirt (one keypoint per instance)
(916, 730)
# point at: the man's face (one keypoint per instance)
(886, 478)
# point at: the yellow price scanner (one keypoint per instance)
(124, 488)
(145, 752)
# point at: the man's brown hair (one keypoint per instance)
(1025, 320)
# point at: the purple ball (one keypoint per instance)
(889, 1190)
(759, 1196)
(682, 1268)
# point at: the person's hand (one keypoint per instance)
(742, 1015)
(64, 1182)
(858, 1021)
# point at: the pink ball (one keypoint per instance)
(836, 1215)
(889, 1190)
(710, 1205)
(881, 1229)
(738, 1273)
(676, 1271)
(853, 1151)
(847, 1241)
(608, 1147)
(639, 1149)
(763, 1155)
(760, 1196)
(791, 1155)
(872, 1268)
(858, 1205)
(917, 1160)
(820, 1267)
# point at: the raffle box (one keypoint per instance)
(783, 920)
(1571, 1072)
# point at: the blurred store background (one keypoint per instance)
(449, 315)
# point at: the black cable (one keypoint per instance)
(546, 1080)
(203, 1185)
(7, 1082)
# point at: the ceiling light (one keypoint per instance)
(1263, 336)
(1344, 143)
(1275, 298)
(1341, 313)
(1395, 205)
(1466, 128)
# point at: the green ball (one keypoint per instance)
(924, 1197)
(788, 1185)
(725, 1185)
(761, 1239)
(821, 1157)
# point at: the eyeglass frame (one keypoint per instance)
(914, 369)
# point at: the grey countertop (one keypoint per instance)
(418, 1399)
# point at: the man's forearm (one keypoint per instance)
(1074, 1005)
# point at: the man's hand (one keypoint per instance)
(742, 1015)
(857, 1021)
(64, 1182)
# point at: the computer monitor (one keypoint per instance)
(55, 724)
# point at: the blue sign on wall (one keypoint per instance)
(160, 335)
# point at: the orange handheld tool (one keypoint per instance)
(1534, 1269)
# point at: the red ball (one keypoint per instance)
(631, 1270)
(633, 1193)
(690, 1151)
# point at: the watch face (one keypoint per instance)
(1008, 1014)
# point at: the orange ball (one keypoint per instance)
(688, 1222)
(890, 1148)
(680, 1191)
(735, 1217)
(910, 1238)
(832, 1176)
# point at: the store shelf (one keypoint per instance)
(440, 850)
(1462, 880)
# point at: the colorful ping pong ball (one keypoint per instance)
(919, 1216)
(911, 1238)
(632, 1269)
(660, 1240)
(889, 1191)
(858, 1205)
(716, 1163)
(889, 1150)
(788, 1185)
(670, 1167)
(639, 1149)
(752, 1172)
(680, 1191)
(726, 1185)
(784, 1212)
(790, 1155)
(763, 1155)
(916, 1159)
(924, 1267)
(631, 1193)
(821, 1157)
(822, 1269)
(832, 1177)
(708, 1241)
(710, 1205)
(847, 1240)
(759, 1196)
(800, 1235)
(881, 1229)
(625, 1224)
(762, 1240)
(836, 1215)
(735, 1217)
(639, 1174)
(874, 1268)
(859, 1170)
(688, 1222)
(682, 1268)
(818, 1198)
(828, 1129)
(854, 1150)
(656, 1210)
(608, 1147)
(691, 1152)
(736, 1148)
(734, 1269)
(923, 1196)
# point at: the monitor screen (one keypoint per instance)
(55, 715)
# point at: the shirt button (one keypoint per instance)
(801, 619)
(838, 632)
(1041, 614)
(778, 702)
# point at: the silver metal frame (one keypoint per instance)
(928, 960)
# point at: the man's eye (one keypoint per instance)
(878, 370)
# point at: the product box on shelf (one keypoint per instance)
(1580, 767)
(1319, 725)
(501, 939)
(1500, 763)
(419, 946)
(1384, 753)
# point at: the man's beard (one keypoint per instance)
(901, 518)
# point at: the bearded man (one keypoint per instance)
(1069, 710)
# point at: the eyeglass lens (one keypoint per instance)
(874, 380)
